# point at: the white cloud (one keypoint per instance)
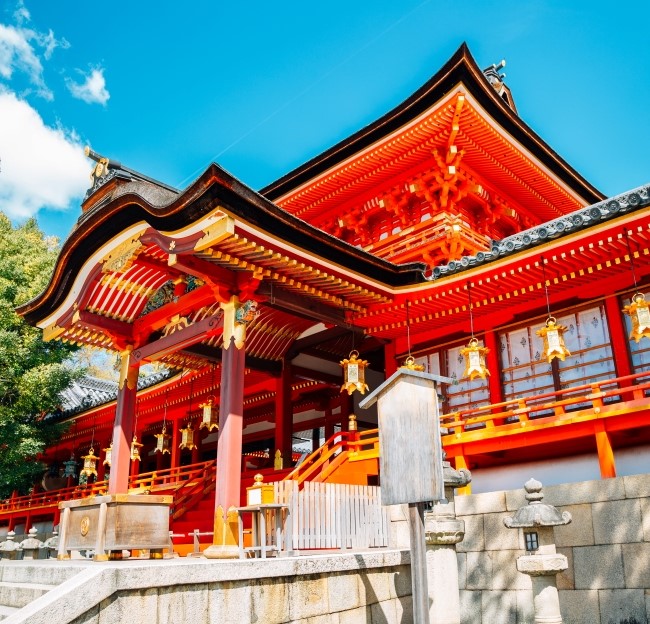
(21, 14)
(17, 54)
(41, 166)
(92, 90)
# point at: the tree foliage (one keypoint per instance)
(32, 372)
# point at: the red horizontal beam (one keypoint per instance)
(179, 340)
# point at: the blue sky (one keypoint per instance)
(167, 87)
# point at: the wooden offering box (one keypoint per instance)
(114, 523)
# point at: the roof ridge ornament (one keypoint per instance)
(100, 171)
(497, 79)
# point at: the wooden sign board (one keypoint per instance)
(410, 458)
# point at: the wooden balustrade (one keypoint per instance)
(592, 399)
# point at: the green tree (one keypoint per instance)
(32, 372)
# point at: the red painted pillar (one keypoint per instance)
(123, 426)
(390, 362)
(618, 337)
(606, 459)
(494, 366)
(176, 453)
(196, 451)
(329, 422)
(231, 417)
(284, 414)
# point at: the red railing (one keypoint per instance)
(341, 446)
(589, 399)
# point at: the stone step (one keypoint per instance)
(5, 612)
(21, 594)
(49, 571)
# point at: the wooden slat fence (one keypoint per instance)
(332, 516)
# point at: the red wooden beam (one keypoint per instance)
(180, 339)
(144, 326)
(119, 331)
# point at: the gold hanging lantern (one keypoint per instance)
(210, 417)
(354, 373)
(135, 448)
(187, 438)
(552, 335)
(409, 364)
(90, 464)
(162, 441)
(109, 455)
(475, 365)
(639, 313)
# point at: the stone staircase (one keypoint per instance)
(22, 582)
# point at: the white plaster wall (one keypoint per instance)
(549, 472)
(632, 461)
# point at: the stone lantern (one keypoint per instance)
(31, 545)
(9, 549)
(542, 563)
(442, 531)
(51, 545)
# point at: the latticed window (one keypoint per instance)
(523, 371)
(526, 373)
(462, 393)
(587, 337)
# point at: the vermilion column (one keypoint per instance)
(175, 454)
(123, 426)
(390, 364)
(231, 418)
(618, 337)
(494, 366)
(284, 415)
(605, 451)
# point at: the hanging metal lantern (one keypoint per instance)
(475, 365)
(70, 467)
(409, 363)
(109, 455)
(90, 464)
(552, 335)
(639, 313)
(210, 418)
(187, 438)
(135, 449)
(354, 373)
(162, 441)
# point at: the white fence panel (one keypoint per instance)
(332, 516)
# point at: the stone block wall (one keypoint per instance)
(355, 588)
(607, 546)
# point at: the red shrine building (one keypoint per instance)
(447, 233)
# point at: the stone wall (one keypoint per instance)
(323, 589)
(607, 546)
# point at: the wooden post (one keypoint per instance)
(123, 426)
(175, 459)
(231, 419)
(419, 582)
(390, 363)
(284, 414)
(494, 364)
(618, 337)
(605, 451)
(411, 461)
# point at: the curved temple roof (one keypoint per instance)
(493, 115)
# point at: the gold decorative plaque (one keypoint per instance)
(85, 526)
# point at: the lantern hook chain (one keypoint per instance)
(471, 313)
(548, 303)
(408, 327)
